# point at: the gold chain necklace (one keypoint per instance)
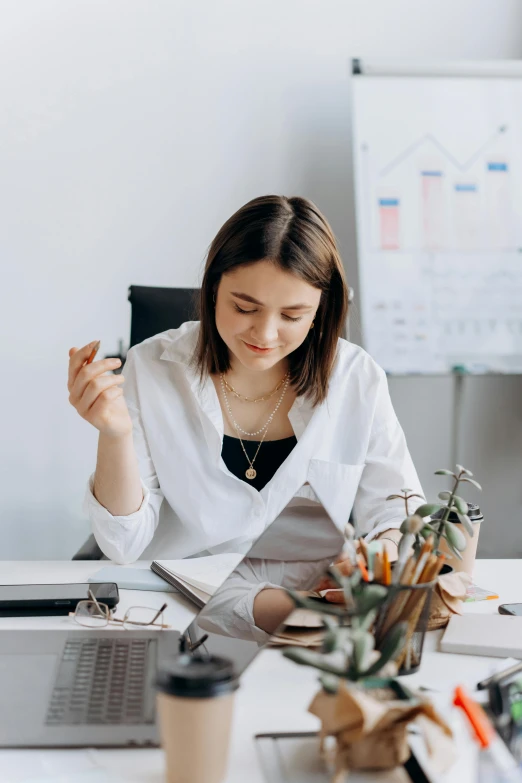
(251, 473)
(231, 389)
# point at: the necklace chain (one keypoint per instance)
(266, 397)
(269, 421)
(251, 473)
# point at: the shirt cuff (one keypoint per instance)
(94, 508)
(382, 527)
(244, 609)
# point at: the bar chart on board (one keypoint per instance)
(438, 178)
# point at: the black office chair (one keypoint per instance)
(153, 310)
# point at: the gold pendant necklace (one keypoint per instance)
(251, 472)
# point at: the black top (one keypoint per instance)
(271, 455)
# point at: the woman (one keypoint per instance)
(259, 411)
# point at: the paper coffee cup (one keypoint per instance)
(195, 701)
(467, 564)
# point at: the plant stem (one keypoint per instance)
(447, 511)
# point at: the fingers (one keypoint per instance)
(87, 372)
(77, 358)
(344, 567)
(104, 386)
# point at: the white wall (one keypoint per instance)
(129, 131)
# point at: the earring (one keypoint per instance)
(312, 326)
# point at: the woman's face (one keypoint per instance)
(263, 313)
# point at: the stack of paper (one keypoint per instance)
(302, 629)
(198, 578)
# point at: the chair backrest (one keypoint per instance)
(154, 310)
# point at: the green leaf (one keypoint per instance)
(329, 682)
(311, 658)
(427, 509)
(370, 597)
(319, 607)
(426, 531)
(367, 622)
(444, 473)
(395, 497)
(462, 506)
(363, 645)
(336, 576)
(331, 625)
(390, 647)
(329, 642)
(466, 523)
(475, 483)
(454, 536)
(461, 469)
(406, 490)
(444, 495)
(452, 549)
(405, 543)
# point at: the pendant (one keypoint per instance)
(251, 474)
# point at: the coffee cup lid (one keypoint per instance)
(197, 677)
(474, 513)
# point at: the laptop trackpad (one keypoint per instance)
(26, 682)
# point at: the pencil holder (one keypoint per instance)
(408, 604)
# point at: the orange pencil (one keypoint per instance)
(93, 353)
(363, 569)
(386, 568)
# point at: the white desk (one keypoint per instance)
(274, 692)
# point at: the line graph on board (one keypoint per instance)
(439, 227)
(464, 205)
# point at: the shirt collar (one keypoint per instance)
(180, 348)
(181, 343)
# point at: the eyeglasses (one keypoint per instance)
(96, 614)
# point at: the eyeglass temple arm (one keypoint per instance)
(158, 613)
(93, 598)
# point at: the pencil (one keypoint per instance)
(93, 353)
(378, 572)
(364, 550)
(386, 568)
(362, 566)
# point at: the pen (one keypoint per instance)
(490, 743)
(484, 684)
(93, 353)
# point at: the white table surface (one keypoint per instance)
(274, 692)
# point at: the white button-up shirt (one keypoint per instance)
(350, 452)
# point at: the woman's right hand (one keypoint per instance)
(97, 397)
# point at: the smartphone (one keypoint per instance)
(515, 609)
(34, 600)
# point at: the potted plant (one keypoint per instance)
(360, 703)
(449, 536)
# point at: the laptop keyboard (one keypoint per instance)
(104, 681)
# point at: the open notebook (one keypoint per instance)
(197, 578)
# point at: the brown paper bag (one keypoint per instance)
(371, 730)
(447, 598)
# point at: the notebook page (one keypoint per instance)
(205, 573)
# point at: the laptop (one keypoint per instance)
(96, 687)
(80, 687)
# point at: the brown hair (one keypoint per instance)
(292, 233)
